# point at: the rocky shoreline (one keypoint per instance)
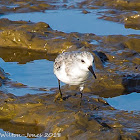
(117, 62)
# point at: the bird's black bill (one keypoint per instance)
(91, 70)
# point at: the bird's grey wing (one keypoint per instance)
(67, 59)
(68, 67)
(69, 64)
(58, 63)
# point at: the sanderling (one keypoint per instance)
(74, 68)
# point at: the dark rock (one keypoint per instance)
(85, 12)
(133, 43)
(3, 76)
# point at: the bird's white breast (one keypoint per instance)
(74, 77)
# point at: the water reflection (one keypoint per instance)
(23, 56)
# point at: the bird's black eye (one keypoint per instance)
(82, 61)
(58, 67)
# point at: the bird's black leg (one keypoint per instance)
(81, 94)
(59, 88)
(59, 95)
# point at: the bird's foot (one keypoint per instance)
(58, 97)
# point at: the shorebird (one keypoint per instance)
(74, 68)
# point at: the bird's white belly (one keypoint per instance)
(75, 78)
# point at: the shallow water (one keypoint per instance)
(36, 74)
(128, 102)
(74, 21)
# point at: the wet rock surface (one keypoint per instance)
(117, 62)
(40, 37)
(130, 19)
(35, 36)
(123, 11)
(25, 6)
(73, 118)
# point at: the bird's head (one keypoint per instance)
(86, 62)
